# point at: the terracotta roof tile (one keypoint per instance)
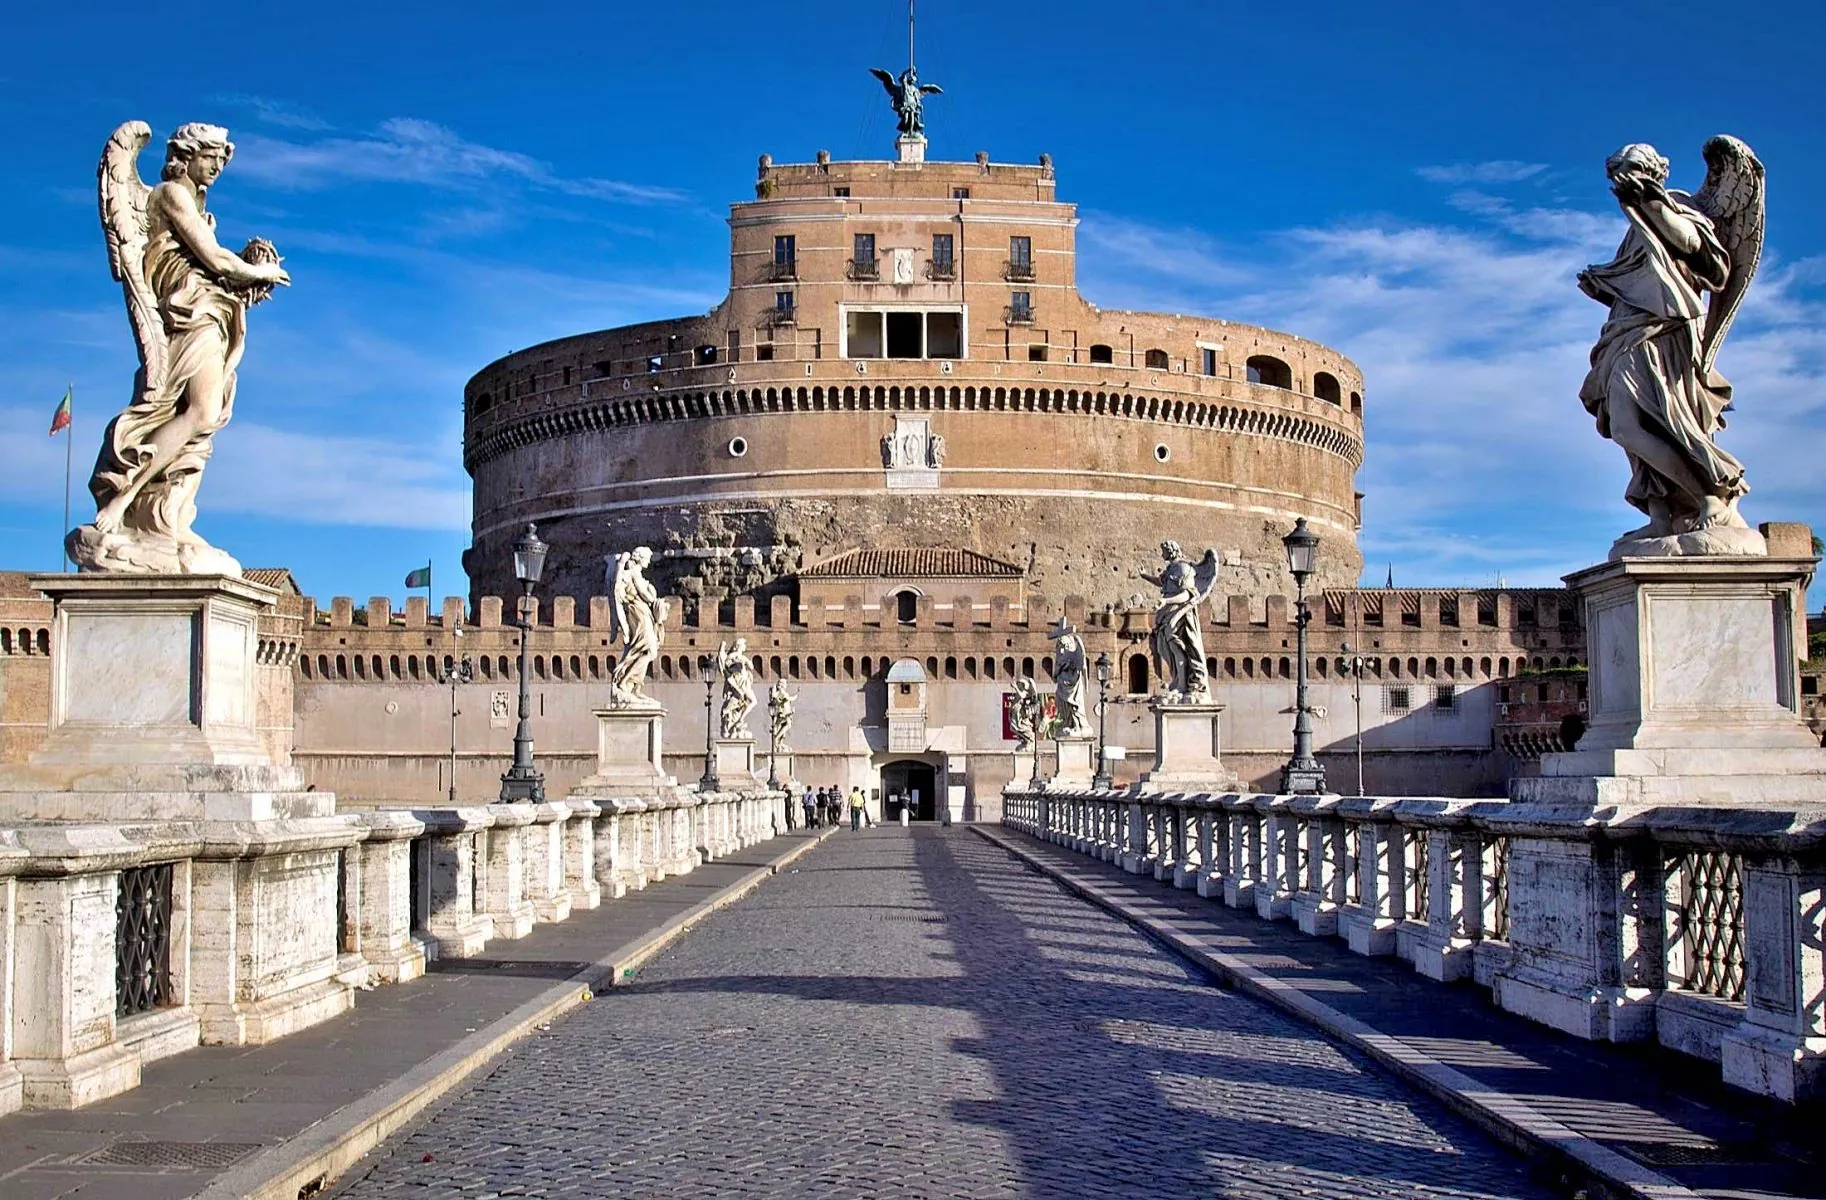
(912, 563)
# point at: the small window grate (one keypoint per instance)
(1497, 882)
(142, 940)
(1709, 923)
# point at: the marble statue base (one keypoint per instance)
(1187, 750)
(1737, 541)
(1694, 687)
(1077, 763)
(154, 698)
(136, 552)
(629, 745)
(911, 147)
(735, 763)
(1026, 770)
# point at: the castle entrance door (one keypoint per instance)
(912, 785)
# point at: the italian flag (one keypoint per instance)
(420, 578)
(60, 420)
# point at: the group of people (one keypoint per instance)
(825, 805)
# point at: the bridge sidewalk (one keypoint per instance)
(278, 1120)
(1628, 1121)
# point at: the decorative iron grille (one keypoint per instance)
(477, 867)
(344, 942)
(1419, 876)
(142, 940)
(1353, 846)
(415, 884)
(1709, 923)
(1497, 883)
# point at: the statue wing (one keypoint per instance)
(931, 89)
(122, 196)
(1204, 575)
(1733, 198)
(618, 629)
(887, 81)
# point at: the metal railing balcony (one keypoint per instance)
(864, 269)
(780, 272)
(1018, 271)
(783, 316)
(1019, 314)
(942, 269)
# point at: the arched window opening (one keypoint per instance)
(1027, 667)
(849, 666)
(969, 666)
(1102, 354)
(1157, 360)
(989, 668)
(1268, 370)
(868, 667)
(950, 666)
(906, 607)
(1356, 404)
(1138, 674)
(1325, 387)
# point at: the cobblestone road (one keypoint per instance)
(915, 1014)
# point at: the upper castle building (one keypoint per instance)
(903, 359)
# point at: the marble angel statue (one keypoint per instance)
(1024, 715)
(1069, 672)
(187, 301)
(738, 687)
(908, 95)
(780, 714)
(1652, 387)
(637, 619)
(1179, 637)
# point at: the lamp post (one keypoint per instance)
(1102, 780)
(462, 671)
(773, 742)
(1357, 663)
(709, 783)
(522, 782)
(1303, 774)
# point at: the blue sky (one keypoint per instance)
(1415, 184)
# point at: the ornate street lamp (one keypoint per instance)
(709, 783)
(773, 743)
(522, 782)
(1357, 664)
(1102, 779)
(459, 672)
(1303, 774)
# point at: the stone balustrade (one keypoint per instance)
(1696, 927)
(123, 944)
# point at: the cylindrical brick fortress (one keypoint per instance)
(903, 360)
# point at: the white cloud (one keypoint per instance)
(1473, 340)
(410, 150)
(1497, 171)
(277, 112)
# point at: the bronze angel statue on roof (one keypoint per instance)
(1652, 387)
(187, 300)
(908, 96)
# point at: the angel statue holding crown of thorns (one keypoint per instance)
(187, 300)
(1652, 388)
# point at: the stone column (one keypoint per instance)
(504, 891)
(1780, 1048)
(580, 855)
(384, 929)
(546, 888)
(453, 921)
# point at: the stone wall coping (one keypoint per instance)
(550, 811)
(389, 826)
(442, 821)
(64, 850)
(253, 839)
(513, 815)
(620, 806)
(584, 809)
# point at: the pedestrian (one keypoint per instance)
(787, 801)
(858, 809)
(810, 806)
(906, 809)
(832, 802)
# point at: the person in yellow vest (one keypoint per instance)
(858, 808)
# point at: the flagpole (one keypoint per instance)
(69, 441)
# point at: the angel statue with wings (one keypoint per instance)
(1179, 636)
(637, 617)
(908, 95)
(1652, 387)
(1070, 674)
(1024, 714)
(187, 300)
(738, 687)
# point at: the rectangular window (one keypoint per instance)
(841, 192)
(1020, 251)
(944, 265)
(1207, 360)
(864, 335)
(785, 250)
(865, 248)
(1445, 695)
(653, 364)
(906, 334)
(1396, 700)
(764, 352)
(945, 335)
(1020, 306)
(783, 302)
(960, 193)
(1036, 353)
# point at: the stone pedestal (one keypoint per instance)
(1693, 690)
(1187, 745)
(735, 763)
(911, 147)
(153, 707)
(1026, 770)
(1077, 763)
(629, 745)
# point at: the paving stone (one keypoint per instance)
(910, 1014)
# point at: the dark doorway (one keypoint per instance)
(906, 335)
(912, 785)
